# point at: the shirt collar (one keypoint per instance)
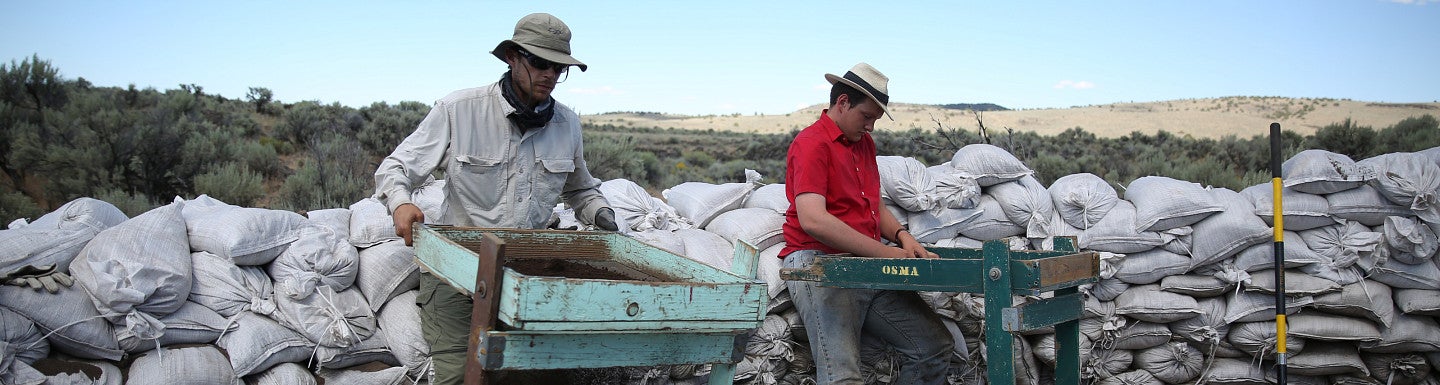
(832, 130)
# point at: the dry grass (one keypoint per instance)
(1201, 118)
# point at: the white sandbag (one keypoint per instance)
(70, 371)
(138, 271)
(1409, 333)
(1106, 289)
(1418, 301)
(320, 257)
(636, 208)
(399, 323)
(1249, 306)
(707, 247)
(1140, 335)
(1149, 303)
(1342, 243)
(1408, 179)
(258, 343)
(1259, 339)
(1364, 204)
(363, 375)
(246, 235)
(1107, 363)
(932, 226)
(370, 350)
(768, 269)
(1381, 268)
(1234, 371)
(757, 226)
(960, 242)
(1226, 233)
(1134, 377)
(899, 213)
(1173, 363)
(371, 223)
(21, 345)
(666, 240)
(1320, 172)
(56, 238)
(191, 324)
(991, 224)
(1082, 199)
(1320, 326)
(1296, 283)
(1406, 368)
(1151, 266)
(953, 190)
(1206, 329)
(1322, 358)
(338, 219)
(1194, 285)
(1262, 256)
(770, 196)
(67, 318)
(771, 339)
(386, 270)
(1163, 203)
(192, 364)
(700, 202)
(229, 289)
(987, 165)
(1368, 299)
(1116, 232)
(329, 318)
(288, 373)
(1410, 241)
(1027, 203)
(905, 181)
(1302, 211)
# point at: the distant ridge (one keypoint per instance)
(974, 107)
(1215, 118)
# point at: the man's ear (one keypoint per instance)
(842, 103)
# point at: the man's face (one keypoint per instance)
(534, 76)
(857, 120)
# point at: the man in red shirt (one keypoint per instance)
(833, 185)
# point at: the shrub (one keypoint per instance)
(15, 205)
(130, 204)
(232, 183)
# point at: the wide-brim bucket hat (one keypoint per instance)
(869, 81)
(543, 35)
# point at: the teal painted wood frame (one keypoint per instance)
(674, 311)
(996, 272)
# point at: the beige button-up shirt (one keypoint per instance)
(496, 175)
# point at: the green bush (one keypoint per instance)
(130, 204)
(232, 183)
(15, 205)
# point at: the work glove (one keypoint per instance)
(605, 219)
(38, 277)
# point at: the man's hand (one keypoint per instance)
(911, 248)
(39, 277)
(405, 217)
(605, 219)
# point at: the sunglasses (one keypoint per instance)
(542, 64)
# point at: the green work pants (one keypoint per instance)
(445, 322)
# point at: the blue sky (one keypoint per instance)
(721, 57)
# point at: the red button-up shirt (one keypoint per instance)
(821, 161)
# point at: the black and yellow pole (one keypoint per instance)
(1278, 210)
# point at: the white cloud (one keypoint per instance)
(1414, 2)
(1078, 85)
(603, 90)
(822, 87)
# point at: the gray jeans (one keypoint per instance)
(837, 319)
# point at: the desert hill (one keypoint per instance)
(1243, 116)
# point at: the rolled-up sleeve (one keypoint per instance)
(582, 190)
(414, 159)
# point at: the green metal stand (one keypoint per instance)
(996, 272)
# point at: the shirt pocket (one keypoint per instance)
(481, 181)
(556, 172)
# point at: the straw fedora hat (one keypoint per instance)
(543, 35)
(869, 81)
